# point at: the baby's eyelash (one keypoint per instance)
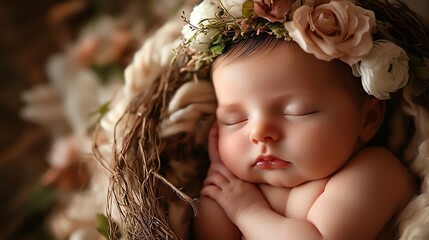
(301, 114)
(234, 122)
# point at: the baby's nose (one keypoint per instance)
(263, 132)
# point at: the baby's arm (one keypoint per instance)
(212, 223)
(356, 204)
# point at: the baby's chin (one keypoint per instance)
(280, 182)
(291, 183)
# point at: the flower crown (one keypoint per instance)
(336, 29)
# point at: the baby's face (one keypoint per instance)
(285, 118)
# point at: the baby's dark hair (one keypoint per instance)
(248, 47)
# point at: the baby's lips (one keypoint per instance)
(271, 162)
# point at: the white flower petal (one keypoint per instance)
(383, 70)
(205, 10)
(233, 7)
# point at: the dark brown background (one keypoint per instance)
(29, 33)
(26, 40)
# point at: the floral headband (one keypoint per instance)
(336, 29)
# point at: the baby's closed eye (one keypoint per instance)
(300, 114)
(232, 120)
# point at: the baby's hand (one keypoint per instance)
(231, 193)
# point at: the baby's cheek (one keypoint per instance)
(227, 149)
(230, 151)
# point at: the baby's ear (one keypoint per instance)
(372, 117)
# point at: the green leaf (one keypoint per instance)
(280, 32)
(41, 199)
(217, 39)
(105, 72)
(247, 10)
(103, 227)
(101, 111)
(217, 49)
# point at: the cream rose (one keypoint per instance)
(234, 7)
(384, 70)
(313, 3)
(338, 29)
(200, 42)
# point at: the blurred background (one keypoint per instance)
(60, 63)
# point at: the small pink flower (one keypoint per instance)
(272, 10)
(338, 29)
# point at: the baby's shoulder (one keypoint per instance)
(363, 196)
(374, 170)
(376, 161)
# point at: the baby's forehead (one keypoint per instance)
(270, 64)
(265, 52)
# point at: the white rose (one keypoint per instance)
(383, 70)
(233, 7)
(206, 9)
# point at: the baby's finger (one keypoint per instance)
(210, 191)
(216, 179)
(221, 169)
